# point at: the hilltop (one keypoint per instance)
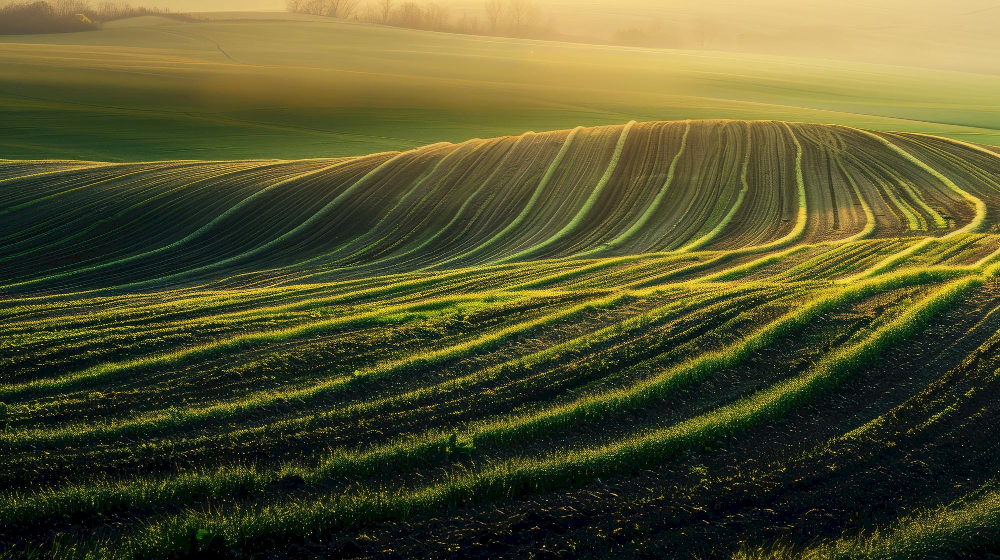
(666, 187)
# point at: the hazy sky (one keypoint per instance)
(950, 6)
(212, 5)
(953, 34)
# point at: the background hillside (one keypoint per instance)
(155, 88)
(957, 35)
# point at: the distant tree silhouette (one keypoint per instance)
(495, 12)
(514, 18)
(64, 16)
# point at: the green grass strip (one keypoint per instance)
(258, 400)
(501, 166)
(869, 215)
(526, 211)
(392, 315)
(514, 477)
(155, 421)
(102, 497)
(794, 235)
(162, 166)
(654, 206)
(977, 222)
(520, 428)
(941, 533)
(744, 189)
(512, 430)
(587, 206)
(309, 222)
(187, 239)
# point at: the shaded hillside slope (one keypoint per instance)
(600, 192)
(662, 339)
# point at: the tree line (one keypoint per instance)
(23, 17)
(509, 18)
(506, 18)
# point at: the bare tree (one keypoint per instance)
(347, 8)
(383, 10)
(314, 7)
(707, 29)
(469, 25)
(523, 15)
(70, 7)
(495, 12)
(368, 14)
(436, 17)
(409, 15)
(343, 9)
(114, 10)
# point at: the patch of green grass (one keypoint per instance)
(337, 89)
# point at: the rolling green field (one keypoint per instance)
(153, 89)
(707, 338)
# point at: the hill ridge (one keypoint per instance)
(538, 195)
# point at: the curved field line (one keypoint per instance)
(747, 268)
(394, 314)
(209, 174)
(939, 221)
(513, 429)
(46, 227)
(179, 488)
(187, 239)
(803, 214)
(23, 205)
(710, 236)
(471, 197)
(376, 371)
(499, 479)
(585, 267)
(582, 213)
(228, 319)
(712, 260)
(83, 167)
(738, 271)
(540, 357)
(526, 396)
(388, 212)
(429, 195)
(891, 261)
(319, 215)
(634, 397)
(914, 219)
(653, 206)
(526, 211)
(944, 531)
(794, 235)
(981, 210)
(988, 259)
(800, 222)
(960, 143)
(869, 215)
(342, 293)
(896, 180)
